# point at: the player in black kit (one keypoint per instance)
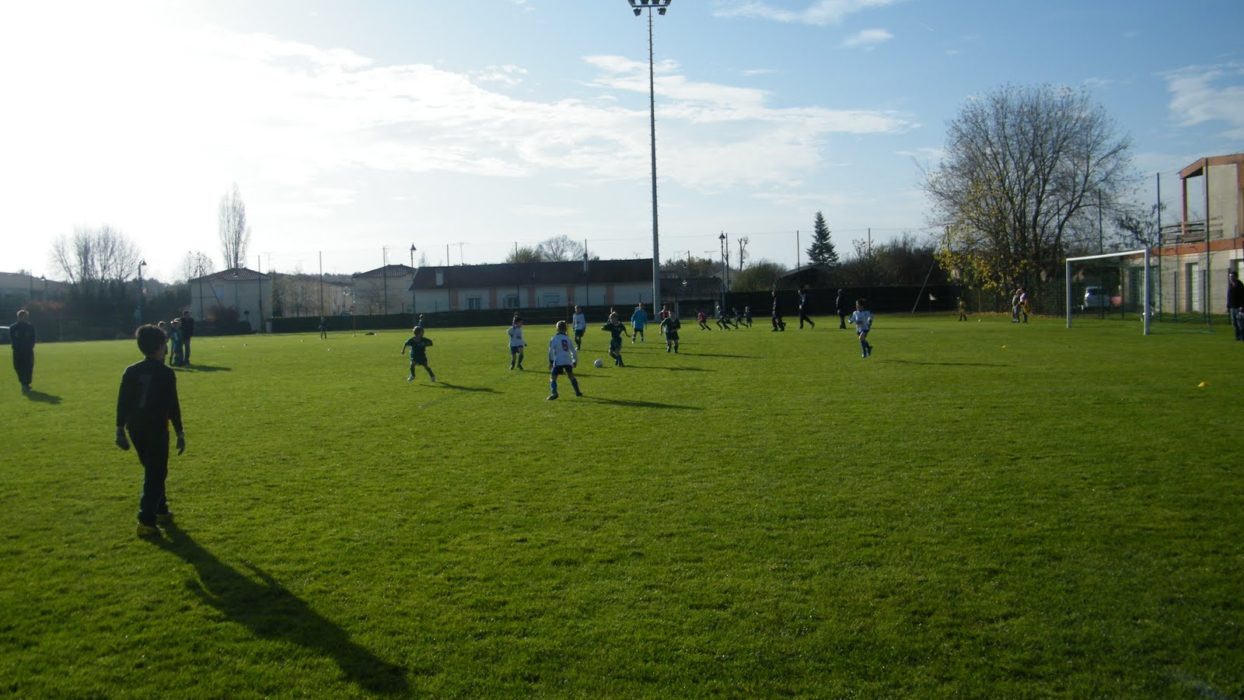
(146, 404)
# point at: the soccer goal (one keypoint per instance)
(1102, 296)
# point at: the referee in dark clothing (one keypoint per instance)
(146, 405)
(22, 336)
(187, 332)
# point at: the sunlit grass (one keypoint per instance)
(980, 509)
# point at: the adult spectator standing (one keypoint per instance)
(776, 317)
(840, 307)
(1235, 303)
(803, 308)
(187, 332)
(22, 336)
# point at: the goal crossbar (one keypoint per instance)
(1146, 309)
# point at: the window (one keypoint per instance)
(511, 301)
(551, 300)
(473, 304)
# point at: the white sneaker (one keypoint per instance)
(410, 378)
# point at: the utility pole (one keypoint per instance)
(259, 281)
(412, 280)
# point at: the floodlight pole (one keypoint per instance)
(141, 264)
(638, 6)
(412, 280)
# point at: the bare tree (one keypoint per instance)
(560, 248)
(524, 255)
(94, 255)
(235, 233)
(196, 264)
(759, 276)
(1024, 169)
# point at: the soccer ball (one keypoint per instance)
(598, 363)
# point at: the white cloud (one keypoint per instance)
(867, 39)
(1201, 94)
(509, 75)
(820, 13)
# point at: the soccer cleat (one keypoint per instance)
(410, 378)
(520, 365)
(552, 397)
(432, 378)
(148, 531)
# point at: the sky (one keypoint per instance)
(355, 129)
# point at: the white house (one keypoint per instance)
(1195, 254)
(532, 285)
(242, 289)
(384, 290)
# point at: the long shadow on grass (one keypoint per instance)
(269, 610)
(674, 369)
(950, 364)
(205, 368)
(35, 395)
(718, 354)
(459, 387)
(642, 404)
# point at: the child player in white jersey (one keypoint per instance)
(863, 320)
(561, 360)
(579, 323)
(516, 341)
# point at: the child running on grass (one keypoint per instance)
(146, 405)
(562, 360)
(418, 353)
(516, 341)
(616, 331)
(863, 320)
(669, 326)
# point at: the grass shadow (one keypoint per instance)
(949, 364)
(715, 354)
(271, 611)
(459, 387)
(36, 395)
(673, 369)
(643, 404)
(204, 368)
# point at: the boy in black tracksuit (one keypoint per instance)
(146, 404)
(22, 337)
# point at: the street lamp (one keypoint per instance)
(412, 279)
(141, 263)
(638, 6)
(725, 265)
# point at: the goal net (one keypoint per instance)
(1110, 284)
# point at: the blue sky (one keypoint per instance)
(355, 126)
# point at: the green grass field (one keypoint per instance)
(981, 509)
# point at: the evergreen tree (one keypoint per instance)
(822, 249)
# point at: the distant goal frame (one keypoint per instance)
(1147, 307)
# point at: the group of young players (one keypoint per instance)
(563, 352)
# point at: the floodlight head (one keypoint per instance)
(661, 11)
(637, 11)
(633, 3)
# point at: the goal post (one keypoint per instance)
(1146, 312)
